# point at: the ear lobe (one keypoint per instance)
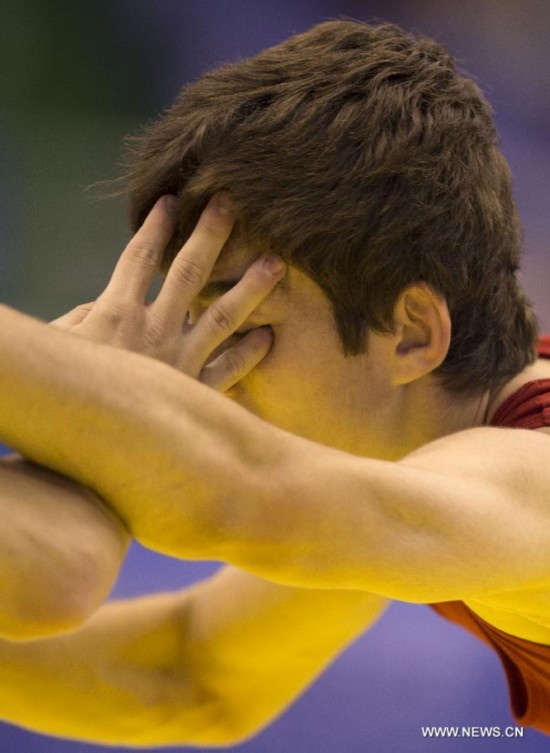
(422, 331)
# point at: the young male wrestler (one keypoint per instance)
(367, 462)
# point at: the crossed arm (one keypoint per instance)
(207, 666)
(194, 475)
(61, 546)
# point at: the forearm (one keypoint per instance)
(60, 551)
(195, 475)
(208, 666)
(166, 452)
(101, 683)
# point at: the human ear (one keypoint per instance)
(422, 333)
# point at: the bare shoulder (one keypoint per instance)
(507, 469)
(515, 465)
(488, 452)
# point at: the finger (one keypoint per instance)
(229, 312)
(236, 362)
(73, 317)
(192, 266)
(141, 259)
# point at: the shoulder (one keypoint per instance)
(502, 448)
(513, 463)
(494, 508)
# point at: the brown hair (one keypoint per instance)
(363, 157)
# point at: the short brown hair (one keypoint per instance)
(362, 156)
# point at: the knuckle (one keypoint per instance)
(234, 362)
(143, 252)
(161, 350)
(188, 272)
(115, 312)
(155, 339)
(222, 318)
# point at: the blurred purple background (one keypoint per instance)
(77, 77)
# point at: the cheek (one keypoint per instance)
(291, 368)
(267, 375)
(283, 353)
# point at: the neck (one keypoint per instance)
(420, 413)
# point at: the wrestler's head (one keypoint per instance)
(370, 164)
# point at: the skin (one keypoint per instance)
(53, 577)
(346, 403)
(385, 488)
(61, 549)
(181, 667)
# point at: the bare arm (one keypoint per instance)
(60, 551)
(197, 476)
(208, 666)
(60, 545)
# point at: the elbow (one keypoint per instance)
(223, 729)
(223, 716)
(81, 590)
(63, 596)
(41, 615)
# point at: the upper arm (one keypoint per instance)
(255, 645)
(491, 531)
(463, 516)
(60, 550)
(206, 666)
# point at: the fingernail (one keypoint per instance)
(274, 265)
(224, 204)
(171, 204)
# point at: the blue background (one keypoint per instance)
(76, 78)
